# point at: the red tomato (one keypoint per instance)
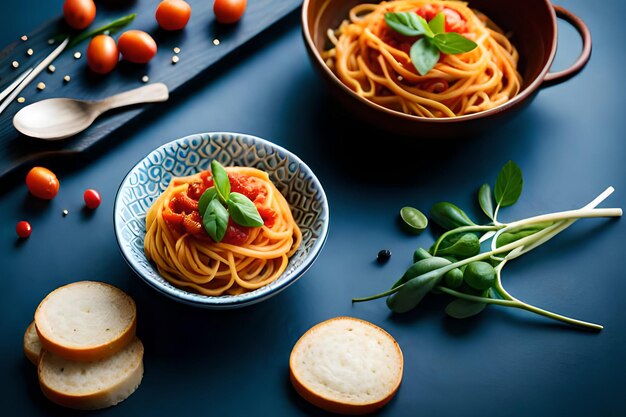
(79, 13)
(92, 199)
(137, 46)
(229, 11)
(42, 183)
(23, 229)
(102, 54)
(173, 14)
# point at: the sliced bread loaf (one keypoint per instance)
(86, 321)
(346, 365)
(32, 346)
(92, 385)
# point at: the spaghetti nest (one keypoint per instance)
(246, 259)
(374, 61)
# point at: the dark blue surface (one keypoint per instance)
(569, 142)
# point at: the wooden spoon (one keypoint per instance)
(59, 118)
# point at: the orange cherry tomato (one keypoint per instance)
(173, 14)
(229, 11)
(79, 13)
(42, 183)
(137, 46)
(102, 54)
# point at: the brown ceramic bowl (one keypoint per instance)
(533, 25)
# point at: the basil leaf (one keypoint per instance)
(401, 23)
(438, 23)
(205, 199)
(215, 220)
(221, 181)
(462, 309)
(408, 24)
(424, 55)
(485, 201)
(419, 23)
(243, 211)
(509, 185)
(452, 43)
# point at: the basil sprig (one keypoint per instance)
(217, 204)
(425, 52)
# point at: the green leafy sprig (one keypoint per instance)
(217, 204)
(434, 39)
(110, 27)
(455, 265)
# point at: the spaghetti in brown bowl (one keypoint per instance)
(375, 60)
(529, 26)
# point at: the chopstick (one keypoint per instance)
(14, 84)
(24, 79)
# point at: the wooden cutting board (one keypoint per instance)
(202, 44)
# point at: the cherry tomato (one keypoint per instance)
(229, 11)
(92, 199)
(42, 183)
(173, 14)
(102, 54)
(79, 13)
(137, 46)
(23, 229)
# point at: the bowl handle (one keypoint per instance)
(553, 78)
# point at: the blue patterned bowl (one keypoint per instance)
(192, 154)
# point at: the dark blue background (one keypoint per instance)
(569, 143)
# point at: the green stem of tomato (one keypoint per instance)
(522, 306)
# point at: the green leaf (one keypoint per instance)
(206, 197)
(515, 235)
(509, 185)
(421, 267)
(449, 216)
(462, 309)
(110, 27)
(408, 24)
(452, 43)
(438, 23)
(419, 23)
(459, 245)
(414, 220)
(424, 55)
(215, 220)
(243, 211)
(401, 23)
(485, 201)
(412, 293)
(221, 181)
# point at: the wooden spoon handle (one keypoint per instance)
(147, 94)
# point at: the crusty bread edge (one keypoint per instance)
(30, 355)
(91, 353)
(336, 406)
(98, 399)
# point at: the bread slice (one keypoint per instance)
(32, 346)
(92, 385)
(347, 366)
(86, 321)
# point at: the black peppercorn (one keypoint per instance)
(383, 256)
